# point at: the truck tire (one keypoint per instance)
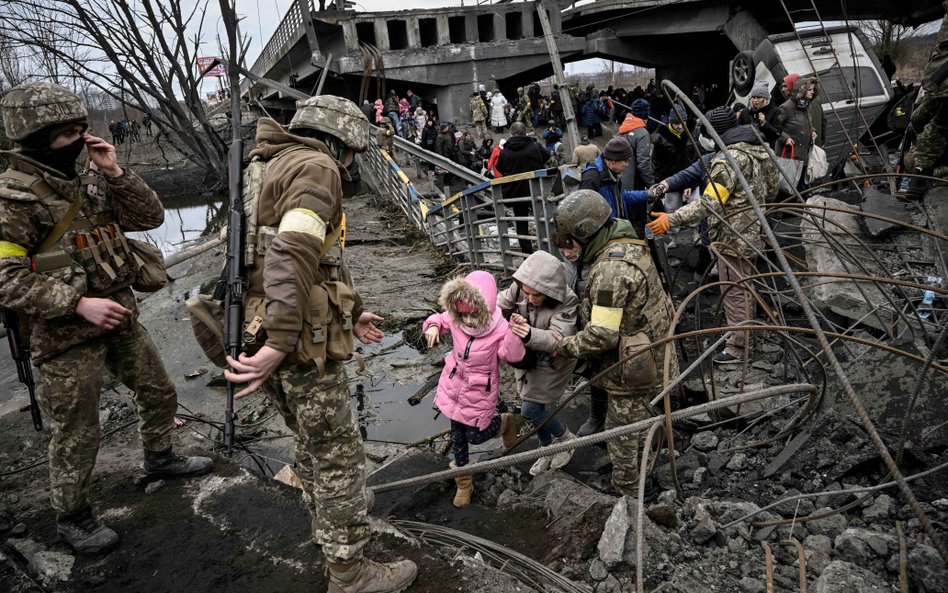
(742, 73)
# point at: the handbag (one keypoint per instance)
(817, 166)
(790, 170)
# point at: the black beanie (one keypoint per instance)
(722, 119)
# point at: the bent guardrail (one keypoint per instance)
(478, 224)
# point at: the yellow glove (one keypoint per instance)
(660, 225)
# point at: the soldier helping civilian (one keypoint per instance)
(66, 266)
(300, 289)
(738, 241)
(623, 310)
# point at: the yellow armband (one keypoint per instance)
(8, 249)
(606, 317)
(717, 192)
(303, 220)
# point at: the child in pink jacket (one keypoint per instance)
(470, 382)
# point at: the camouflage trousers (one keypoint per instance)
(480, 130)
(330, 459)
(627, 408)
(68, 390)
(930, 121)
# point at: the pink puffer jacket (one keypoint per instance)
(470, 382)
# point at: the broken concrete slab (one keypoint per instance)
(844, 577)
(876, 202)
(48, 566)
(855, 300)
(15, 580)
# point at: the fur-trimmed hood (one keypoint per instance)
(477, 288)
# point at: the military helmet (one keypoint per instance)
(336, 116)
(582, 213)
(30, 107)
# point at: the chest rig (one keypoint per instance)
(85, 247)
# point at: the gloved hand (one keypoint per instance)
(656, 191)
(660, 225)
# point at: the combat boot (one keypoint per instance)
(918, 186)
(85, 533)
(169, 464)
(508, 430)
(366, 576)
(563, 457)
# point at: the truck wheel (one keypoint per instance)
(742, 73)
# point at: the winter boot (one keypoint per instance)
(540, 465)
(562, 458)
(592, 425)
(918, 186)
(167, 464)
(465, 485)
(508, 430)
(367, 576)
(85, 533)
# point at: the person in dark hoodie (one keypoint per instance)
(639, 175)
(740, 239)
(521, 155)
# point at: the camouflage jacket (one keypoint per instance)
(935, 75)
(478, 109)
(623, 297)
(49, 298)
(298, 185)
(725, 196)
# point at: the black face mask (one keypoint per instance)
(62, 159)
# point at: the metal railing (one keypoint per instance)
(476, 225)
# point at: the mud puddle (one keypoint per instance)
(187, 219)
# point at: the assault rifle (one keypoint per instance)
(231, 288)
(21, 356)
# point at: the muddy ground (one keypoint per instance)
(239, 530)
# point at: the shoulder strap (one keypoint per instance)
(61, 227)
(37, 184)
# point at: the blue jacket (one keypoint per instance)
(597, 178)
(552, 137)
(590, 113)
(691, 176)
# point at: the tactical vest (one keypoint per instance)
(89, 252)
(649, 326)
(327, 320)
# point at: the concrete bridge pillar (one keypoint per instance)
(414, 33)
(454, 100)
(444, 33)
(470, 28)
(350, 35)
(381, 34)
(526, 19)
(556, 21)
(500, 27)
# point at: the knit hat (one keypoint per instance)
(617, 149)
(722, 119)
(760, 90)
(677, 115)
(584, 140)
(790, 80)
(641, 108)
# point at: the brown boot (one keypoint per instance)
(366, 576)
(508, 430)
(462, 497)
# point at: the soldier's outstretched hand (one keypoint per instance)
(253, 370)
(103, 155)
(365, 329)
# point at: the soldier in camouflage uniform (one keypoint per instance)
(624, 308)
(725, 196)
(72, 280)
(478, 114)
(301, 290)
(385, 136)
(930, 117)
